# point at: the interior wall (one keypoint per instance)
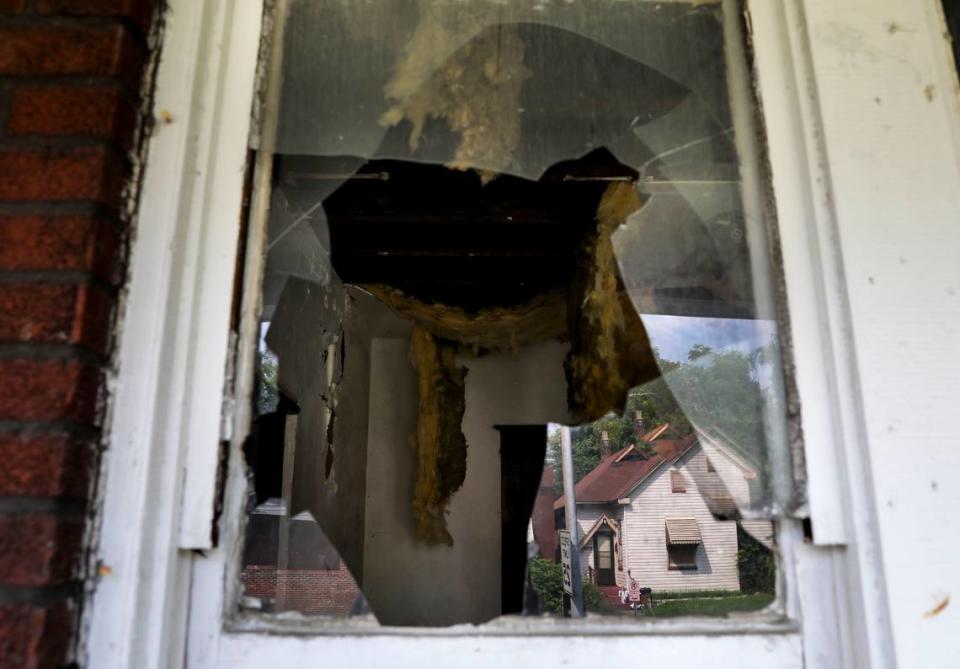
(329, 480)
(344, 487)
(408, 583)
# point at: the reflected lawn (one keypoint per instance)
(712, 606)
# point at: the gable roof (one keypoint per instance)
(603, 520)
(617, 474)
(716, 440)
(658, 432)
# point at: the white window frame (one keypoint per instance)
(159, 600)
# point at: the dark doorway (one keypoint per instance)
(603, 557)
(522, 449)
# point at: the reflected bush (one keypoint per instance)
(547, 580)
(546, 577)
(756, 564)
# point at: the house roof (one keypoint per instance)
(617, 474)
(656, 433)
(603, 521)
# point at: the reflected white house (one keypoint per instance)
(664, 514)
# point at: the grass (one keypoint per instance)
(712, 606)
(696, 594)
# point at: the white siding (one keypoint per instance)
(645, 547)
(733, 474)
(621, 574)
(734, 478)
(587, 515)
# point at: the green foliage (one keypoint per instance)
(656, 405)
(718, 606)
(698, 351)
(266, 382)
(594, 601)
(696, 594)
(718, 390)
(756, 564)
(546, 577)
(721, 391)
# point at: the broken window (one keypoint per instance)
(486, 218)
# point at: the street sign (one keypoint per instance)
(566, 561)
(634, 590)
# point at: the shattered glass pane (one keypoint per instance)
(488, 218)
(504, 87)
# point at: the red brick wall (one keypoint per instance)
(309, 591)
(544, 529)
(70, 76)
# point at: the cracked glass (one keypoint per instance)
(489, 220)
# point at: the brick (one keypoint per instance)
(51, 165)
(41, 390)
(39, 549)
(57, 313)
(82, 243)
(329, 592)
(138, 11)
(98, 50)
(55, 174)
(33, 637)
(99, 111)
(45, 465)
(12, 6)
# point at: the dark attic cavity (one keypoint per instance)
(441, 236)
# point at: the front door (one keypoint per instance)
(603, 557)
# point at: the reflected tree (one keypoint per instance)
(722, 391)
(266, 382)
(719, 390)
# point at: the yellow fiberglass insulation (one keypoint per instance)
(440, 444)
(610, 352)
(494, 329)
(470, 79)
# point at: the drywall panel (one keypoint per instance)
(408, 583)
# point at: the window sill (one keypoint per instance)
(760, 622)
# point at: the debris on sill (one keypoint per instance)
(440, 443)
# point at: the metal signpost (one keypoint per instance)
(633, 594)
(570, 560)
(565, 553)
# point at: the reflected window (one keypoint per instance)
(677, 484)
(487, 219)
(682, 556)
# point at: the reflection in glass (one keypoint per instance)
(485, 218)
